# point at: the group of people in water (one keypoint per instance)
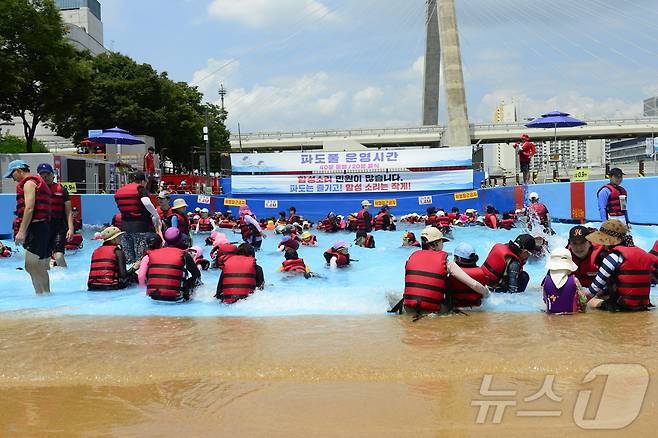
(153, 247)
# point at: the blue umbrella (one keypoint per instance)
(555, 119)
(115, 136)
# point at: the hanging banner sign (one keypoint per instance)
(203, 199)
(234, 202)
(382, 202)
(356, 182)
(271, 203)
(424, 200)
(370, 160)
(70, 186)
(466, 195)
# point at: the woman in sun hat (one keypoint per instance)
(562, 291)
(108, 264)
(624, 278)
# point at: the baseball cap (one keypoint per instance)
(616, 171)
(204, 210)
(45, 167)
(533, 195)
(578, 234)
(464, 250)
(15, 165)
(432, 234)
(364, 203)
(526, 241)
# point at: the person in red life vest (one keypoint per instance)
(197, 255)
(288, 244)
(561, 288)
(61, 217)
(427, 273)
(654, 252)
(33, 213)
(116, 220)
(364, 218)
(205, 224)
(108, 264)
(538, 213)
(409, 239)
(149, 168)
(221, 250)
(586, 255)
(470, 216)
(491, 217)
(163, 205)
(330, 224)
(309, 239)
(240, 277)
(293, 217)
(541, 247)
(172, 275)
(454, 214)
(139, 218)
(5, 251)
(443, 222)
(431, 219)
(74, 243)
(77, 220)
(508, 221)
(526, 150)
(364, 240)
(153, 242)
(460, 294)
(176, 218)
(338, 256)
(613, 198)
(250, 229)
(293, 263)
(210, 240)
(624, 278)
(383, 220)
(504, 265)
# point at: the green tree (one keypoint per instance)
(219, 135)
(11, 144)
(41, 74)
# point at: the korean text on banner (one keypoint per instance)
(234, 202)
(473, 194)
(203, 199)
(388, 202)
(424, 200)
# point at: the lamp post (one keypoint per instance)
(207, 140)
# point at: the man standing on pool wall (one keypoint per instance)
(613, 198)
(33, 212)
(526, 150)
(61, 214)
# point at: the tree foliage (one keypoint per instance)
(11, 144)
(41, 74)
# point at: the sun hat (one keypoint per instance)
(197, 209)
(45, 168)
(179, 203)
(110, 233)
(204, 210)
(525, 136)
(432, 234)
(612, 232)
(306, 235)
(163, 194)
(15, 165)
(365, 203)
(198, 251)
(561, 261)
(341, 244)
(464, 250)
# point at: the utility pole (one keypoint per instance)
(222, 93)
(207, 139)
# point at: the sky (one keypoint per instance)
(323, 64)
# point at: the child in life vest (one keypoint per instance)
(309, 239)
(5, 251)
(562, 290)
(364, 239)
(338, 255)
(153, 242)
(295, 264)
(409, 239)
(197, 255)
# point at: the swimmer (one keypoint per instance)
(338, 256)
(409, 239)
(5, 251)
(205, 224)
(240, 277)
(309, 239)
(288, 244)
(364, 240)
(295, 264)
(197, 255)
(153, 242)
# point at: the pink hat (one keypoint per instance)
(197, 250)
(220, 239)
(213, 234)
(341, 244)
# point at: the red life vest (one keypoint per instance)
(443, 221)
(496, 263)
(104, 271)
(369, 241)
(311, 241)
(129, 202)
(162, 213)
(361, 221)
(183, 221)
(205, 225)
(614, 204)
(41, 200)
(633, 279)
(540, 210)
(654, 250)
(379, 220)
(588, 267)
(462, 295)
(431, 220)
(75, 242)
(222, 252)
(426, 277)
(453, 216)
(507, 224)
(247, 230)
(238, 278)
(297, 265)
(116, 220)
(490, 220)
(77, 224)
(294, 219)
(341, 259)
(56, 201)
(166, 274)
(6, 252)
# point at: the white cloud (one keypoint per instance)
(215, 71)
(367, 98)
(268, 13)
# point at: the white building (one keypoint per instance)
(500, 158)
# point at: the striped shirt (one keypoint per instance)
(609, 266)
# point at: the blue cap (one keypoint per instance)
(45, 167)
(15, 165)
(464, 250)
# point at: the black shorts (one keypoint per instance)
(58, 231)
(525, 167)
(37, 240)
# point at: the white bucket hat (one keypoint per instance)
(561, 261)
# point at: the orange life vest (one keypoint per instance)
(426, 277)
(296, 265)
(205, 225)
(431, 220)
(496, 263)
(238, 279)
(104, 272)
(166, 274)
(490, 220)
(41, 200)
(443, 221)
(633, 279)
(379, 220)
(462, 295)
